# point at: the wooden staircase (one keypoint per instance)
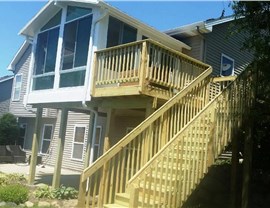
(162, 160)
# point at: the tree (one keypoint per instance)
(9, 129)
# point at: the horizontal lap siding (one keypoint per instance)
(196, 44)
(5, 94)
(22, 67)
(219, 41)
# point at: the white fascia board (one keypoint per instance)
(18, 55)
(6, 79)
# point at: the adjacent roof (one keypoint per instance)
(50, 9)
(6, 78)
(202, 26)
(18, 55)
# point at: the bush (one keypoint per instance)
(44, 192)
(9, 129)
(14, 178)
(65, 193)
(14, 193)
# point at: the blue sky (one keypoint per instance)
(162, 15)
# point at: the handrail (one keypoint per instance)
(135, 132)
(138, 146)
(193, 150)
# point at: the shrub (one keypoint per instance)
(65, 193)
(44, 192)
(9, 129)
(14, 178)
(16, 193)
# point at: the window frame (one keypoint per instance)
(81, 143)
(14, 88)
(98, 145)
(25, 134)
(221, 64)
(42, 138)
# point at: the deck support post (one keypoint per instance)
(35, 146)
(60, 149)
(90, 139)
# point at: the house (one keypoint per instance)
(128, 104)
(213, 43)
(5, 95)
(59, 56)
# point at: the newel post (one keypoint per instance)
(143, 67)
(134, 196)
(82, 192)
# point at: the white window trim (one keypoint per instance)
(25, 134)
(42, 138)
(221, 63)
(73, 141)
(14, 87)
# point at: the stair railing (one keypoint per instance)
(170, 176)
(110, 173)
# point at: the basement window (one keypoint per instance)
(78, 142)
(46, 138)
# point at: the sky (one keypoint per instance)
(162, 15)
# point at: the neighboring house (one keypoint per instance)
(64, 36)
(5, 93)
(213, 43)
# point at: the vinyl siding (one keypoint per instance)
(196, 44)
(74, 119)
(5, 95)
(22, 67)
(219, 42)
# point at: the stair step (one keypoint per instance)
(114, 206)
(123, 200)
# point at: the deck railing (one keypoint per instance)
(171, 175)
(111, 172)
(146, 65)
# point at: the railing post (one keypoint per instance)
(143, 67)
(82, 193)
(134, 196)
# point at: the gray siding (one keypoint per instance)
(22, 67)
(218, 42)
(5, 95)
(74, 119)
(196, 44)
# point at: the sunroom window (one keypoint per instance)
(75, 46)
(45, 56)
(120, 33)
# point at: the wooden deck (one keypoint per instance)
(142, 68)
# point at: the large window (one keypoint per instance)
(22, 135)
(45, 56)
(17, 87)
(75, 46)
(120, 33)
(46, 138)
(78, 142)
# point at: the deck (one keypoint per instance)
(142, 68)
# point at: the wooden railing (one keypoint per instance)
(171, 175)
(111, 172)
(144, 65)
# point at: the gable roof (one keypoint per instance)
(198, 27)
(18, 55)
(51, 9)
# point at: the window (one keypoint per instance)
(78, 142)
(45, 56)
(120, 33)
(97, 143)
(227, 66)
(17, 87)
(75, 46)
(22, 135)
(46, 138)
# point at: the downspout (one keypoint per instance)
(87, 85)
(204, 48)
